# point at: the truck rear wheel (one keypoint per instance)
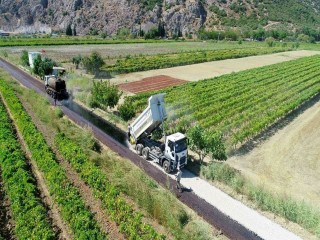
(145, 153)
(166, 166)
(139, 149)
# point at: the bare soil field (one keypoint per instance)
(289, 161)
(151, 83)
(206, 70)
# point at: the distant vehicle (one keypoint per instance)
(4, 34)
(170, 154)
(55, 86)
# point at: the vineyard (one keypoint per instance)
(143, 63)
(71, 205)
(241, 105)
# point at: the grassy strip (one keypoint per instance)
(12, 42)
(143, 63)
(298, 212)
(29, 215)
(122, 213)
(72, 206)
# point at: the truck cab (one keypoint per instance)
(176, 149)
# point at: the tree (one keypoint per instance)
(270, 41)
(93, 63)
(46, 67)
(216, 146)
(36, 65)
(104, 94)
(43, 67)
(74, 33)
(152, 33)
(69, 30)
(204, 142)
(24, 58)
(103, 35)
(77, 60)
(198, 141)
(127, 111)
(123, 33)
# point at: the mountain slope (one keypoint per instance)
(186, 16)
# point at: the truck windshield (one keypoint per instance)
(181, 145)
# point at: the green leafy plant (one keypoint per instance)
(127, 111)
(24, 58)
(93, 63)
(29, 215)
(104, 94)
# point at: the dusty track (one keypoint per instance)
(230, 228)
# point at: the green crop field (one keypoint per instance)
(242, 105)
(45, 41)
(143, 63)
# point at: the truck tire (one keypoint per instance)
(166, 166)
(139, 149)
(145, 153)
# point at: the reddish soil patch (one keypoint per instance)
(151, 83)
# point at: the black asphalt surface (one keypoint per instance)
(212, 215)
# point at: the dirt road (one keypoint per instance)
(289, 161)
(206, 70)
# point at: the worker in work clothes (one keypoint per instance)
(55, 98)
(178, 178)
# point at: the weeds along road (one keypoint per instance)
(215, 217)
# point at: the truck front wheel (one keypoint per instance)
(166, 166)
(139, 149)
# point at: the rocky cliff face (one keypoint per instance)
(103, 15)
(108, 16)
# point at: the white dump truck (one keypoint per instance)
(172, 152)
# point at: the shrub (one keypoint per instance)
(104, 94)
(127, 111)
(43, 67)
(24, 58)
(93, 63)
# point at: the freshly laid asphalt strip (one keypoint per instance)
(212, 215)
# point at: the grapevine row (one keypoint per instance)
(72, 207)
(29, 215)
